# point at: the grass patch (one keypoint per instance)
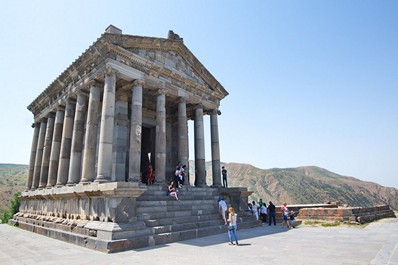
(324, 223)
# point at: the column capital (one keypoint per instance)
(110, 71)
(182, 100)
(215, 112)
(81, 92)
(138, 82)
(60, 108)
(162, 91)
(199, 106)
(35, 124)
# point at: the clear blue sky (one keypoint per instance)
(310, 82)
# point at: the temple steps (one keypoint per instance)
(160, 219)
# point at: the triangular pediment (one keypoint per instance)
(172, 55)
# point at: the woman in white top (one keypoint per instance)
(232, 218)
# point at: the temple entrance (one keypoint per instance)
(148, 142)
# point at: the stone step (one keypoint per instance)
(175, 207)
(183, 219)
(148, 203)
(173, 214)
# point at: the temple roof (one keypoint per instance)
(162, 58)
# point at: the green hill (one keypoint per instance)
(302, 185)
(12, 179)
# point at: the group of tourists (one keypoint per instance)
(177, 182)
(263, 212)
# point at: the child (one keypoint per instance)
(291, 217)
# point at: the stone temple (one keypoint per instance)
(123, 104)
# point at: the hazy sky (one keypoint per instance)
(310, 82)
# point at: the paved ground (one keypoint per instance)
(375, 244)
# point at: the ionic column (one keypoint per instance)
(90, 141)
(106, 130)
(66, 143)
(39, 154)
(215, 149)
(135, 132)
(200, 163)
(75, 165)
(120, 138)
(56, 147)
(47, 151)
(33, 150)
(160, 148)
(183, 136)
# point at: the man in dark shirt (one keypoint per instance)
(271, 213)
(224, 177)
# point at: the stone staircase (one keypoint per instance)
(160, 220)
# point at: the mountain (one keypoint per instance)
(305, 185)
(12, 179)
(302, 185)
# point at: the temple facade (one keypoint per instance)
(122, 105)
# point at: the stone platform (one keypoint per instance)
(113, 217)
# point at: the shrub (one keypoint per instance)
(14, 208)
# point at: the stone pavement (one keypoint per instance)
(375, 244)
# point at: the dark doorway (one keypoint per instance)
(148, 140)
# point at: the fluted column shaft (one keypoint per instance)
(160, 148)
(106, 130)
(215, 149)
(183, 136)
(33, 151)
(47, 151)
(66, 143)
(135, 132)
(75, 165)
(39, 154)
(200, 163)
(90, 141)
(56, 147)
(120, 138)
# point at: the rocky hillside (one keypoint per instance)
(300, 185)
(12, 179)
(311, 184)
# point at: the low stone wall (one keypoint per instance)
(350, 214)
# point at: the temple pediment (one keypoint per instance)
(164, 61)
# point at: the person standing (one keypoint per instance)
(263, 213)
(255, 209)
(222, 207)
(232, 218)
(285, 213)
(224, 177)
(271, 213)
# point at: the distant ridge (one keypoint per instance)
(308, 184)
(301, 185)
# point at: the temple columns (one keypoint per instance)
(160, 148)
(135, 132)
(120, 139)
(47, 151)
(64, 157)
(33, 151)
(200, 163)
(215, 149)
(90, 141)
(183, 136)
(39, 154)
(107, 125)
(77, 140)
(56, 147)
